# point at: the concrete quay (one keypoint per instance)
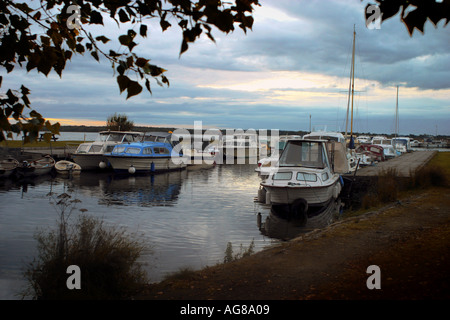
(404, 165)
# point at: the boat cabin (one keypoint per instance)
(106, 140)
(318, 154)
(157, 149)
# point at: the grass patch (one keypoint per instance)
(390, 187)
(243, 252)
(184, 273)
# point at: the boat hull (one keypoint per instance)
(144, 164)
(67, 168)
(36, 167)
(288, 194)
(8, 167)
(90, 161)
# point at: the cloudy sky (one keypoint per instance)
(292, 68)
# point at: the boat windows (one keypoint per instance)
(133, 150)
(282, 176)
(118, 149)
(83, 148)
(115, 137)
(303, 153)
(95, 148)
(109, 149)
(147, 151)
(311, 177)
(161, 150)
(325, 176)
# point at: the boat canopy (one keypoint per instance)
(304, 153)
(315, 154)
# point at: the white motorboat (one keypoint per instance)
(402, 144)
(306, 180)
(364, 140)
(66, 167)
(338, 137)
(388, 149)
(265, 165)
(90, 156)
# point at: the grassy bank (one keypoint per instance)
(389, 187)
(407, 238)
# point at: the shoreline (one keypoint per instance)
(409, 240)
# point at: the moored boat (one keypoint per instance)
(241, 145)
(66, 167)
(90, 155)
(306, 180)
(388, 149)
(155, 153)
(8, 167)
(29, 168)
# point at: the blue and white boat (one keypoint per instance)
(154, 153)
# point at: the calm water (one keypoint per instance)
(188, 217)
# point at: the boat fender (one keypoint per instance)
(131, 169)
(102, 165)
(336, 190)
(341, 180)
(262, 195)
(152, 167)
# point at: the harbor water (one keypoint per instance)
(186, 217)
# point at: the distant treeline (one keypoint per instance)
(281, 132)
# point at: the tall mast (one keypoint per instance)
(396, 125)
(353, 80)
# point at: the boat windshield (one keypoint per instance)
(155, 138)
(115, 137)
(402, 142)
(304, 154)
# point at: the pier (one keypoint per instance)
(403, 165)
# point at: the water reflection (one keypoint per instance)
(281, 224)
(151, 190)
(187, 217)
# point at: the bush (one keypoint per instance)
(107, 258)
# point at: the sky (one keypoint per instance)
(290, 72)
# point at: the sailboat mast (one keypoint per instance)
(396, 127)
(353, 80)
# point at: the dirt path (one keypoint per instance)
(409, 241)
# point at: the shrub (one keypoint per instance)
(107, 258)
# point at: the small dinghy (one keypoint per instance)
(37, 167)
(7, 167)
(67, 167)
